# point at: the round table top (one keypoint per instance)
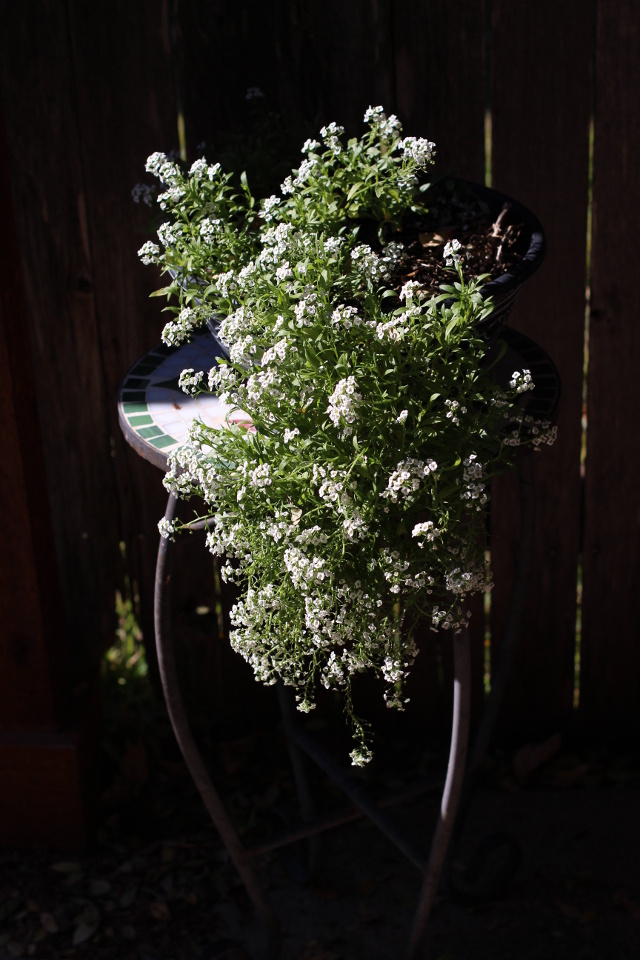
(155, 415)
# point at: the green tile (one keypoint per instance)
(134, 408)
(147, 432)
(142, 421)
(164, 441)
(134, 396)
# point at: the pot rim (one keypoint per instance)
(536, 251)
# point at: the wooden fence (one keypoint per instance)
(89, 90)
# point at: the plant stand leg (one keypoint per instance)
(190, 752)
(499, 680)
(452, 788)
(305, 799)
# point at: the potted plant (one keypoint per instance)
(349, 504)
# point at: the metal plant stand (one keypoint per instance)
(155, 417)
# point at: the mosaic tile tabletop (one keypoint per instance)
(154, 413)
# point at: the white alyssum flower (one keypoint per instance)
(283, 272)
(521, 381)
(268, 206)
(367, 263)
(419, 150)
(344, 402)
(260, 476)
(210, 229)
(277, 352)
(166, 528)
(451, 254)
(171, 196)
(392, 255)
(149, 252)
(455, 411)
(198, 168)
(331, 130)
(459, 581)
(411, 290)
(394, 329)
(177, 331)
(407, 477)
(303, 570)
(374, 114)
(346, 317)
(190, 381)
(390, 127)
(169, 234)
(306, 523)
(427, 530)
(165, 169)
(305, 310)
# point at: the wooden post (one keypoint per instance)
(42, 768)
(541, 59)
(610, 688)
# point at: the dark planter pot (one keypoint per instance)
(504, 289)
(531, 244)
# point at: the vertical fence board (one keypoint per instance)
(43, 142)
(312, 62)
(540, 105)
(440, 79)
(33, 651)
(610, 688)
(126, 111)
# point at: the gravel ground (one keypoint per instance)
(577, 893)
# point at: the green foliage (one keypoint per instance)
(349, 484)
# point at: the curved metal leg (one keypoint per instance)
(193, 759)
(452, 788)
(491, 710)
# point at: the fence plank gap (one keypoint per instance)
(540, 105)
(610, 655)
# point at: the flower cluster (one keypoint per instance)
(344, 403)
(346, 492)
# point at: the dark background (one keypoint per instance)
(538, 97)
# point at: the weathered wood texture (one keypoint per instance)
(88, 93)
(540, 102)
(314, 62)
(45, 750)
(33, 648)
(126, 113)
(439, 53)
(610, 687)
(44, 152)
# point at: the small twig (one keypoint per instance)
(495, 230)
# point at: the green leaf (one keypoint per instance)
(450, 327)
(312, 357)
(164, 291)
